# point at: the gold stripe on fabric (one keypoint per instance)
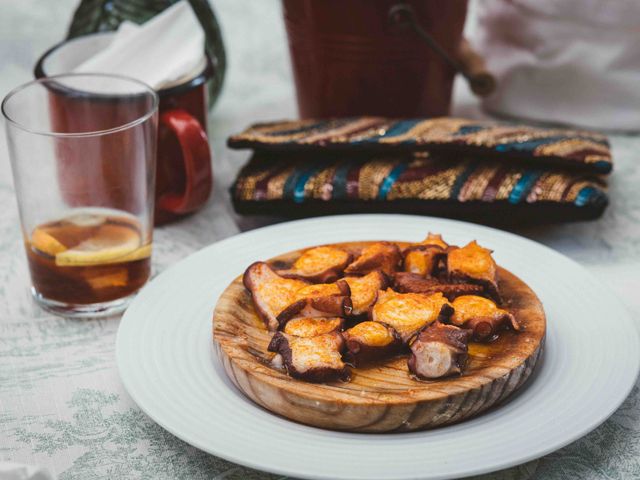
(319, 185)
(501, 134)
(495, 135)
(275, 187)
(247, 184)
(372, 174)
(257, 135)
(433, 187)
(340, 134)
(476, 184)
(589, 135)
(551, 186)
(240, 192)
(510, 180)
(575, 189)
(375, 132)
(566, 147)
(260, 133)
(597, 158)
(434, 129)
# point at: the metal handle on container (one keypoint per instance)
(468, 62)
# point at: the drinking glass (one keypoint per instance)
(83, 154)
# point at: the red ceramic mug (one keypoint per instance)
(184, 177)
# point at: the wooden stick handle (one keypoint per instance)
(481, 80)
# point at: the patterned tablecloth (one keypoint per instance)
(62, 406)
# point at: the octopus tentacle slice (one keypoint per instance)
(364, 290)
(339, 288)
(370, 341)
(407, 313)
(425, 258)
(332, 306)
(383, 256)
(405, 282)
(312, 327)
(435, 306)
(473, 264)
(315, 359)
(270, 292)
(482, 316)
(438, 350)
(320, 300)
(319, 264)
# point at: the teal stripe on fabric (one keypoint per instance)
(584, 196)
(339, 183)
(466, 129)
(461, 180)
(400, 127)
(590, 196)
(303, 178)
(524, 186)
(390, 179)
(529, 146)
(602, 166)
(290, 183)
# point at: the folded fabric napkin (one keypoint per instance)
(484, 171)
(581, 149)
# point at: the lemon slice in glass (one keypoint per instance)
(111, 244)
(46, 243)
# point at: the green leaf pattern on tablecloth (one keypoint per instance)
(49, 417)
(119, 444)
(62, 406)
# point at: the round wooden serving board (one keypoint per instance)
(381, 397)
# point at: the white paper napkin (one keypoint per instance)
(161, 52)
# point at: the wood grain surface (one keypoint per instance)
(381, 397)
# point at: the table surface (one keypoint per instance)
(62, 405)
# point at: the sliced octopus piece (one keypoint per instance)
(425, 258)
(319, 264)
(482, 316)
(438, 351)
(315, 359)
(270, 292)
(312, 327)
(322, 300)
(407, 313)
(473, 264)
(405, 282)
(371, 341)
(364, 291)
(383, 256)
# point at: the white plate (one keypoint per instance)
(167, 363)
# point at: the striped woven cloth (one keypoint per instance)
(441, 166)
(584, 150)
(414, 184)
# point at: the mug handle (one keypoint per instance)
(196, 157)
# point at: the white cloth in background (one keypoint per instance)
(563, 61)
(160, 52)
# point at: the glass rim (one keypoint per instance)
(39, 81)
